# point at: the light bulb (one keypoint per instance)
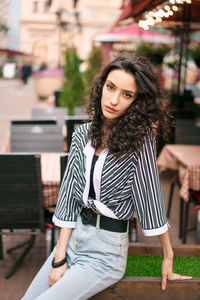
(158, 19)
(170, 12)
(167, 7)
(151, 13)
(188, 1)
(166, 15)
(140, 24)
(172, 1)
(146, 27)
(179, 1)
(175, 8)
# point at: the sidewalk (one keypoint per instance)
(17, 102)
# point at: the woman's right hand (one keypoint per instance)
(56, 273)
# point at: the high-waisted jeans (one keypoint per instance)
(96, 259)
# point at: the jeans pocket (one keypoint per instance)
(115, 239)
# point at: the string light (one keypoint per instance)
(167, 7)
(175, 8)
(158, 19)
(155, 16)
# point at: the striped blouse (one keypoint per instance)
(122, 186)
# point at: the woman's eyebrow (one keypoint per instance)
(127, 91)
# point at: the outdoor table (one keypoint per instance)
(186, 160)
(50, 166)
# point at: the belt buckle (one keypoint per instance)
(86, 216)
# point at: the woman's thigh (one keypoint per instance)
(41, 281)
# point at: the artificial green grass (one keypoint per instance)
(150, 266)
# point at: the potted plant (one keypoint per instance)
(94, 63)
(47, 81)
(154, 53)
(73, 87)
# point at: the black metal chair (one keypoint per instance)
(72, 122)
(63, 164)
(187, 132)
(21, 200)
(36, 136)
(52, 231)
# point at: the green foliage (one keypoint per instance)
(73, 87)
(195, 53)
(94, 64)
(150, 266)
(155, 53)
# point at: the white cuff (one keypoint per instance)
(156, 231)
(63, 224)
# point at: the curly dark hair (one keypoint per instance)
(147, 113)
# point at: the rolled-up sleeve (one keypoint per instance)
(147, 192)
(67, 207)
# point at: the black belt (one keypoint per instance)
(106, 223)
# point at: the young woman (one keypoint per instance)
(111, 174)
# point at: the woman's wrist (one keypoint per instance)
(60, 255)
(169, 255)
(57, 264)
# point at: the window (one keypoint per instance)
(35, 6)
(46, 6)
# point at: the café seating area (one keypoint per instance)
(46, 139)
(31, 172)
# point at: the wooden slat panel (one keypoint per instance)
(21, 202)
(179, 250)
(36, 137)
(149, 288)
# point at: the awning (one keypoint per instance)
(136, 8)
(126, 13)
(133, 33)
(13, 52)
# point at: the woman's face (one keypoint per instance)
(119, 92)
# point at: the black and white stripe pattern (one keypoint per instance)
(122, 186)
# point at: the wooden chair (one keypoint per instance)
(187, 132)
(59, 113)
(21, 200)
(36, 136)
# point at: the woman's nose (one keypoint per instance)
(115, 98)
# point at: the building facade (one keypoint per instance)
(49, 27)
(9, 28)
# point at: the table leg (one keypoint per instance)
(198, 226)
(1, 247)
(185, 224)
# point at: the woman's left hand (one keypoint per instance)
(167, 272)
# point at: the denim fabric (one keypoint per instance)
(96, 259)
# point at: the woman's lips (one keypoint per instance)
(110, 109)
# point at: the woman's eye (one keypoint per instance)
(127, 96)
(110, 87)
